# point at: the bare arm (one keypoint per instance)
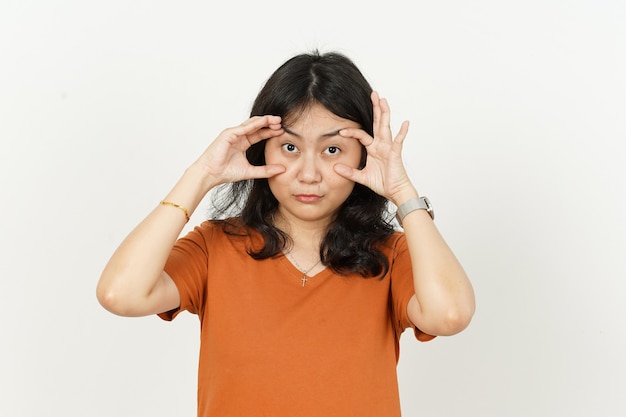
(443, 303)
(133, 282)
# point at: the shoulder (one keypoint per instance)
(396, 242)
(222, 234)
(206, 234)
(227, 228)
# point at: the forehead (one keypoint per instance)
(315, 115)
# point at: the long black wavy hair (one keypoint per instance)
(362, 223)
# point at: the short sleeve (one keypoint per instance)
(402, 289)
(187, 266)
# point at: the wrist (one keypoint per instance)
(403, 195)
(190, 189)
(198, 175)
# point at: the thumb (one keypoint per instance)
(267, 171)
(348, 172)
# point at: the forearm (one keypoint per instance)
(136, 266)
(444, 298)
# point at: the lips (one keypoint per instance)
(307, 198)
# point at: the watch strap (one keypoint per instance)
(421, 203)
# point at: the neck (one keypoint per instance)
(305, 236)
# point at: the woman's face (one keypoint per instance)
(310, 189)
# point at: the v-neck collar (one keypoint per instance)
(294, 275)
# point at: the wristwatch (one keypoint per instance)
(421, 203)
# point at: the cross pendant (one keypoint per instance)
(303, 279)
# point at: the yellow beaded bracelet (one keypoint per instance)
(178, 206)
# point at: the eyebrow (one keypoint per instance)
(325, 135)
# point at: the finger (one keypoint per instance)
(404, 130)
(358, 134)
(377, 111)
(256, 123)
(258, 128)
(385, 116)
(265, 171)
(264, 133)
(382, 117)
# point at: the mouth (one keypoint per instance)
(307, 198)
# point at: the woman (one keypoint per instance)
(303, 286)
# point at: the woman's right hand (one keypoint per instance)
(133, 282)
(225, 161)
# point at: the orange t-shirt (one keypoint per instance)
(273, 347)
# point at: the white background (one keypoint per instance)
(517, 113)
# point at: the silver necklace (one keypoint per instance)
(304, 271)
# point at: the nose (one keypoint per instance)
(309, 170)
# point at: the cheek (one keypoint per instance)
(270, 152)
(281, 183)
(355, 156)
(343, 190)
(338, 182)
(362, 158)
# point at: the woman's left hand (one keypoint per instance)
(384, 171)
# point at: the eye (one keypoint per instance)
(332, 150)
(289, 148)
